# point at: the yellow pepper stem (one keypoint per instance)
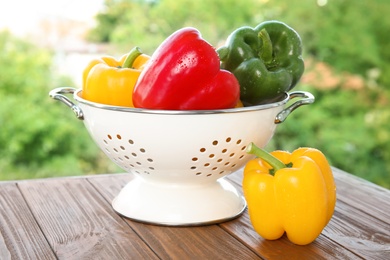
(133, 54)
(275, 163)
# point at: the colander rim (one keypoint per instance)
(78, 98)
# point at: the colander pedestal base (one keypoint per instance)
(179, 204)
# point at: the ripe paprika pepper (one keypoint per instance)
(266, 60)
(111, 82)
(289, 192)
(184, 74)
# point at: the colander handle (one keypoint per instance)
(57, 94)
(307, 98)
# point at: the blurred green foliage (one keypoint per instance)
(37, 138)
(348, 70)
(349, 121)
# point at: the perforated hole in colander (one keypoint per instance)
(219, 157)
(128, 154)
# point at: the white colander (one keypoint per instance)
(179, 158)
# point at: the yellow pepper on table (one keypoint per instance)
(110, 81)
(292, 193)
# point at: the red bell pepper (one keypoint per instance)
(184, 74)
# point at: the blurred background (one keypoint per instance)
(46, 44)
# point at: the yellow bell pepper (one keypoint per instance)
(239, 104)
(110, 81)
(292, 193)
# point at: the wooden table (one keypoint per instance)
(72, 218)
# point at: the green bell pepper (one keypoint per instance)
(266, 60)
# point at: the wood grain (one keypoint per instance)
(363, 195)
(180, 242)
(20, 235)
(358, 229)
(79, 223)
(72, 218)
(363, 234)
(321, 248)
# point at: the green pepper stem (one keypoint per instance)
(266, 52)
(275, 163)
(133, 54)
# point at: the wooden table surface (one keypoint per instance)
(72, 218)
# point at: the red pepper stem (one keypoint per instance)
(266, 52)
(133, 54)
(275, 163)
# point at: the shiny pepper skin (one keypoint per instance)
(184, 74)
(266, 60)
(298, 200)
(111, 82)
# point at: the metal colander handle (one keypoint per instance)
(57, 94)
(307, 98)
